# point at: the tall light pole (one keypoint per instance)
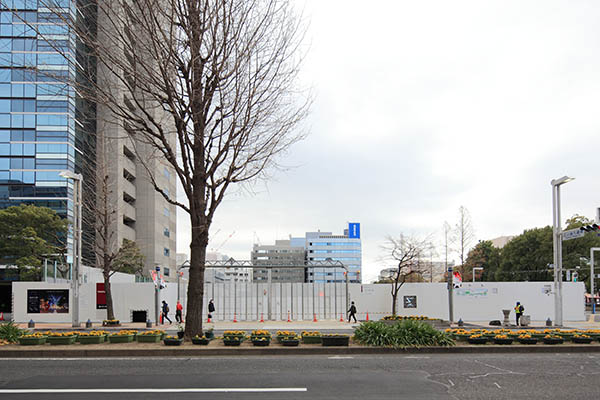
(592, 250)
(77, 202)
(185, 264)
(557, 247)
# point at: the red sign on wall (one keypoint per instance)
(100, 297)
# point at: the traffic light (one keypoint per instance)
(590, 228)
(575, 276)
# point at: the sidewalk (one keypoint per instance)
(218, 326)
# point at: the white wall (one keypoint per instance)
(474, 301)
(127, 297)
(248, 301)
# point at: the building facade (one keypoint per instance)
(46, 128)
(325, 246)
(282, 253)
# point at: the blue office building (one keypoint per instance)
(44, 127)
(325, 246)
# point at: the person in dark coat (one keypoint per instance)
(352, 312)
(211, 308)
(165, 312)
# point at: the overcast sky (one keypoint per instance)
(424, 106)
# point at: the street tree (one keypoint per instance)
(30, 234)
(482, 255)
(408, 252)
(101, 213)
(463, 235)
(209, 88)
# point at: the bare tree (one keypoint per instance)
(464, 234)
(207, 87)
(408, 252)
(101, 212)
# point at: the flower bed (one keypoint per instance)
(232, 341)
(93, 337)
(261, 341)
(477, 339)
(582, 339)
(527, 339)
(33, 339)
(153, 336)
(290, 341)
(311, 337)
(241, 335)
(202, 340)
(553, 339)
(172, 341)
(111, 322)
(61, 338)
(284, 334)
(502, 339)
(124, 336)
(335, 340)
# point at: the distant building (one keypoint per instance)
(501, 241)
(281, 253)
(430, 271)
(325, 246)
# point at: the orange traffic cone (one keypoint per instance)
(341, 317)
(314, 317)
(289, 320)
(208, 320)
(234, 318)
(262, 319)
(1, 316)
(367, 315)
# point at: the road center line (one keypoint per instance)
(147, 390)
(340, 357)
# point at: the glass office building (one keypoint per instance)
(325, 246)
(44, 127)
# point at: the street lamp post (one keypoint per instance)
(77, 183)
(179, 273)
(476, 269)
(592, 250)
(557, 247)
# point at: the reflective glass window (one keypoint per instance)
(28, 177)
(5, 106)
(5, 163)
(16, 176)
(4, 120)
(5, 75)
(4, 136)
(16, 163)
(16, 149)
(29, 149)
(29, 163)
(5, 149)
(4, 90)
(16, 135)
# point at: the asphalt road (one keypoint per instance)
(451, 376)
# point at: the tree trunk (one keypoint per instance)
(110, 312)
(394, 297)
(195, 305)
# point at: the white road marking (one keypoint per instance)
(451, 383)
(146, 390)
(496, 383)
(340, 357)
(417, 357)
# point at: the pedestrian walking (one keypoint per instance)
(211, 308)
(165, 312)
(519, 311)
(352, 312)
(179, 313)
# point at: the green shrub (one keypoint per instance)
(11, 332)
(407, 333)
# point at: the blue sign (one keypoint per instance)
(354, 230)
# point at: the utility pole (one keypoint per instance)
(450, 295)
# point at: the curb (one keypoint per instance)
(283, 351)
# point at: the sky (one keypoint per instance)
(423, 107)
